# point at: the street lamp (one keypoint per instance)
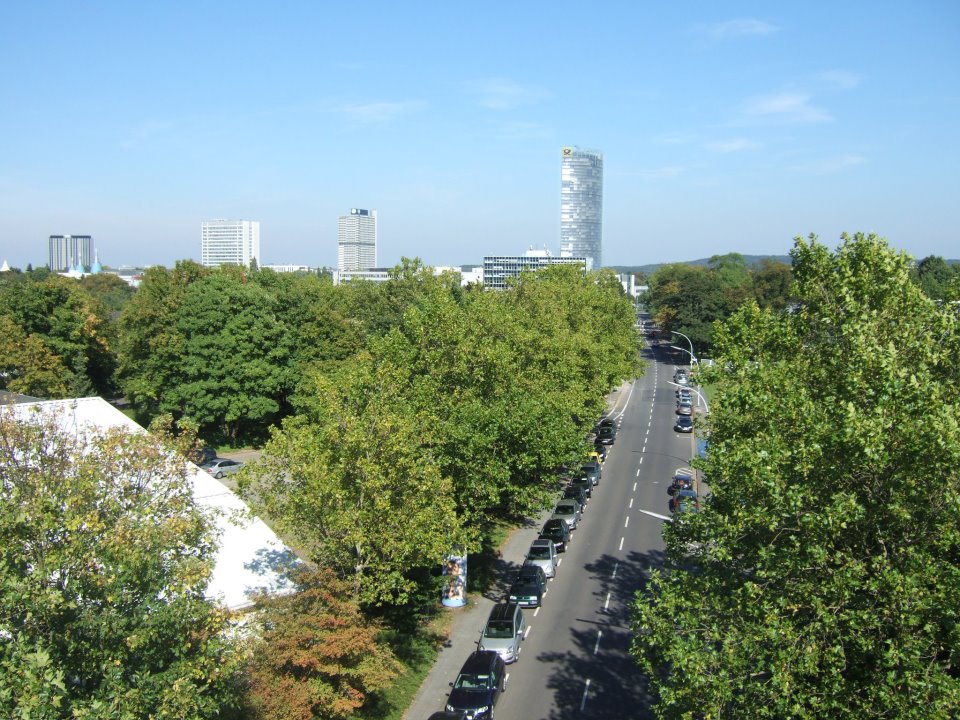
(693, 357)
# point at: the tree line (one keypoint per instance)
(690, 298)
(402, 421)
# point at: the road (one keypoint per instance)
(575, 660)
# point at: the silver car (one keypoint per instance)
(504, 631)
(544, 554)
(219, 467)
(568, 510)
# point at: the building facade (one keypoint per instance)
(229, 242)
(581, 205)
(498, 269)
(357, 240)
(67, 252)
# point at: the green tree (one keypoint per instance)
(27, 366)
(933, 274)
(57, 312)
(771, 284)
(316, 654)
(104, 565)
(109, 290)
(822, 578)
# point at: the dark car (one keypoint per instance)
(558, 531)
(684, 501)
(684, 424)
(444, 715)
(591, 470)
(584, 482)
(572, 492)
(606, 435)
(604, 422)
(528, 586)
(680, 482)
(478, 686)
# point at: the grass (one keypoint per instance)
(417, 652)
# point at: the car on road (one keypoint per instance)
(591, 470)
(504, 631)
(568, 510)
(684, 393)
(600, 452)
(684, 501)
(680, 482)
(528, 586)
(605, 422)
(543, 554)
(583, 482)
(444, 715)
(575, 492)
(221, 466)
(558, 531)
(684, 407)
(478, 685)
(606, 435)
(684, 424)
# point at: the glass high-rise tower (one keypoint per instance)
(581, 204)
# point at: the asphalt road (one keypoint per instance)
(575, 660)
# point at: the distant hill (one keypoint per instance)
(751, 260)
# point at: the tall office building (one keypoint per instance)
(357, 236)
(581, 204)
(68, 251)
(229, 242)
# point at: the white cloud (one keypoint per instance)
(839, 79)
(740, 27)
(504, 94)
(785, 107)
(380, 111)
(830, 165)
(729, 146)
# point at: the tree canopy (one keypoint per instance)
(822, 578)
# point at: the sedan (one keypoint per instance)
(568, 510)
(528, 587)
(684, 424)
(606, 435)
(558, 531)
(684, 407)
(220, 467)
(591, 470)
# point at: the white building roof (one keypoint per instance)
(250, 556)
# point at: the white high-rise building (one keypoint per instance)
(66, 252)
(581, 204)
(357, 236)
(229, 242)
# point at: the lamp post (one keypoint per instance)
(693, 358)
(693, 439)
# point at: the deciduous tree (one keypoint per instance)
(822, 578)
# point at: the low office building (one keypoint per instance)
(498, 269)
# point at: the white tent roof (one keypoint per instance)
(250, 555)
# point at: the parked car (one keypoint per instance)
(478, 685)
(543, 554)
(606, 435)
(684, 501)
(444, 715)
(221, 466)
(583, 482)
(591, 470)
(574, 492)
(684, 407)
(684, 424)
(684, 393)
(680, 482)
(604, 422)
(600, 452)
(528, 586)
(504, 631)
(558, 531)
(568, 510)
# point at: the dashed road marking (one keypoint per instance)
(634, 487)
(616, 566)
(630, 506)
(536, 612)
(607, 603)
(596, 648)
(621, 543)
(586, 689)
(527, 631)
(626, 521)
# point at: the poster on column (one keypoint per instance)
(455, 581)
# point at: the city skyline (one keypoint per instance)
(728, 129)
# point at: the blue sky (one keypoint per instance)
(725, 127)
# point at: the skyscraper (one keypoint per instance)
(357, 240)
(581, 204)
(68, 251)
(230, 242)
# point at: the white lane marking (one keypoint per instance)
(631, 502)
(607, 603)
(648, 431)
(626, 521)
(546, 591)
(621, 543)
(527, 631)
(649, 423)
(638, 469)
(596, 648)
(616, 566)
(657, 515)
(559, 560)
(506, 678)
(536, 612)
(586, 689)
